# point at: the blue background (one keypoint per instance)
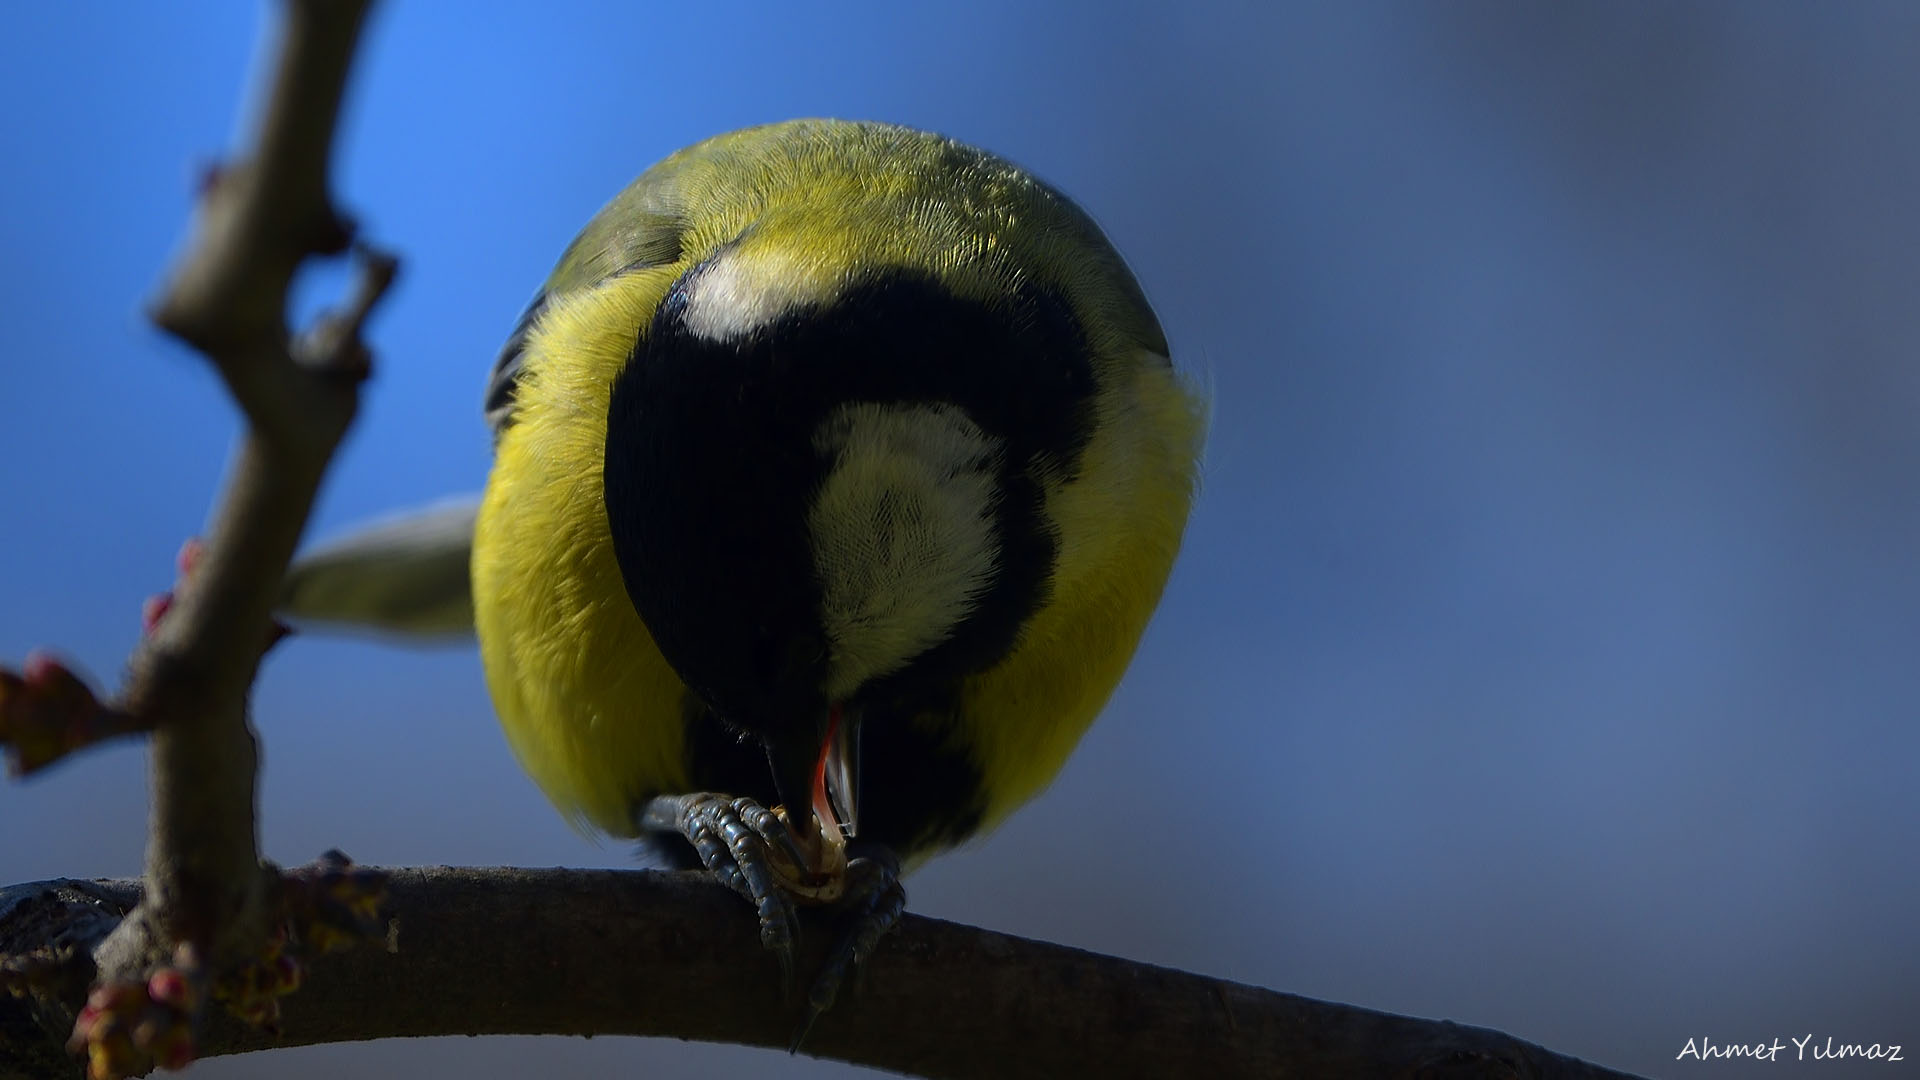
(1543, 654)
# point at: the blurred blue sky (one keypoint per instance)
(1543, 655)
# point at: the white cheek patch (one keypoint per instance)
(902, 530)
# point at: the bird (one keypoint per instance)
(838, 469)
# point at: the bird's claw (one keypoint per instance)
(874, 901)
(738, 841)
(750, 849)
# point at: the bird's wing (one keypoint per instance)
(630, 233)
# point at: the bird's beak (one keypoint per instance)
(836, 799)
(823, 778)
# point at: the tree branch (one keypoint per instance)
(605, 952)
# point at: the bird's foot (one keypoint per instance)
(871, 905)
(740, 843)
(751, 850)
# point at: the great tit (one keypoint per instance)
(838, 469)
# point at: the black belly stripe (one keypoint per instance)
(710, 470)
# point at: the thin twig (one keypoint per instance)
(259, 219)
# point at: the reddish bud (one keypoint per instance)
(170, 986)
(190, 555)
(153, 609)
